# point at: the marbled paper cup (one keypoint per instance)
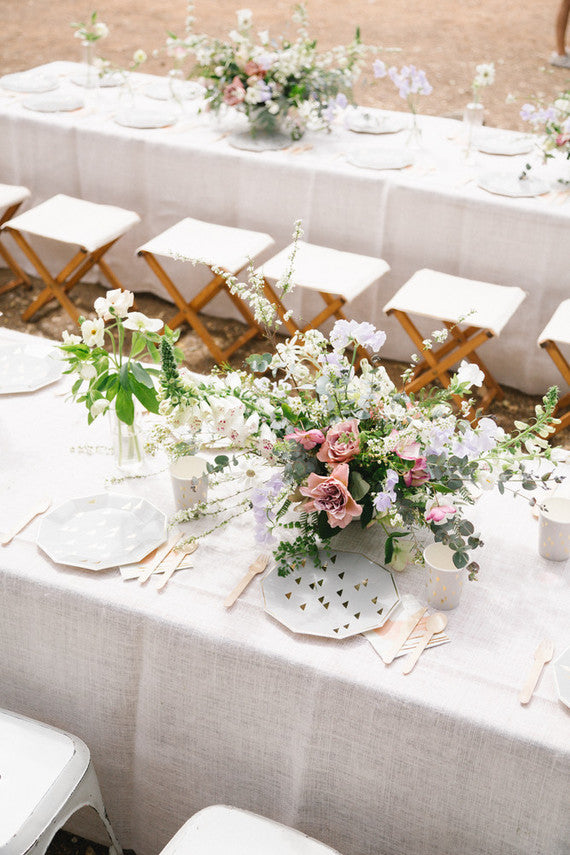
(554, 529)
(444, 581)
(189, 481)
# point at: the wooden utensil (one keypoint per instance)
(435, 623)
(174, 561)
(258, 566)
(543, 654)
(160, 555)
(40, 508)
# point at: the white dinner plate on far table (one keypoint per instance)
(503, 184)
(381, 158)
(58, 102)
(21, 371)
(102, 81)
(165, 90)
(145, 118)
(364, 122)
(29, 81)
(507, 145)
(100, 532)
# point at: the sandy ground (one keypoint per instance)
(445, 37)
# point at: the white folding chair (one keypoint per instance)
(11, 197)
(223, 247)
(473, 312)
(339, 277)
(222, 830)
(92, 227)
(46, 775)
(557, 331)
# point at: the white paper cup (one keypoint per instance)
(189, 481)
(444, 581)
(554, 529)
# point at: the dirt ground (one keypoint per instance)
(445, 37)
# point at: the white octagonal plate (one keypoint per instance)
(21, 371)
(364, 122)
(99, 532)
(562, 676)
(504, 184)
(348, 595)
(29, 81)
(381, 158)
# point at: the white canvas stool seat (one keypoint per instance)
(557, 331)
(223, 247)
(221, 830)
(46, 775)
(473, 312)
(11, 197)
(339, 277)
(90, 226)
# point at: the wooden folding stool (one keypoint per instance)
(339, 277)
(472, 312)
(557, 331)
(92, 227)
(11, 197)
(227, 249)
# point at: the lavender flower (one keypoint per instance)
(364, 334)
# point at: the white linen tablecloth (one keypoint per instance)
(184, 704)
(432, 215)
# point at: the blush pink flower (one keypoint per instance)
(439, 513)
(342, 443)
(330, 493)
(253, 69)
(234, 92)
(307, 438)
(404, 448)
(417, 474)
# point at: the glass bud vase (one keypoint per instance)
(414, 140)
(473, 115)
(127, 442)
(89, 69)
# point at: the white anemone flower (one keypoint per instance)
(120, 301)
(470, 374)
(93, 332)
(70, 338)
(141, 323)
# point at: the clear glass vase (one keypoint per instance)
(473, 115)
(414, 140)
(127, 442)
(89, 67)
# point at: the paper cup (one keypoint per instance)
(444, 581)
(554, 529)
(189, 481)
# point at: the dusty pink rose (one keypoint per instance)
(330, 493)
(253, 69)
(439, 513)
(562, 139)
(342, 443)
(307, 438)
(417, 474)
(234, 92)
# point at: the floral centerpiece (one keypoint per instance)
(349, 448)
(92, 30)
(110, 379)
(280, 85)
(410, 82)
(553, 122)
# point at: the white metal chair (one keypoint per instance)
(223, 247)
(473, 312)
(46, 775)
(557, 331)
(221, 830)
(92, 227)
(11, 197)
(339, 277)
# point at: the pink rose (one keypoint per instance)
(417, 474)
(253, 69)
(342, 443)
(562, 139)
(404, 448)
(330, 493)
(439, 513)
(307, 438)
(234, 92)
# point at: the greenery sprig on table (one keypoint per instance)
(114, 375)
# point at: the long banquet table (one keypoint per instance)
(185, 704)
(431, 215)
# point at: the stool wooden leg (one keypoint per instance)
(21, 278)
(560, 361)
